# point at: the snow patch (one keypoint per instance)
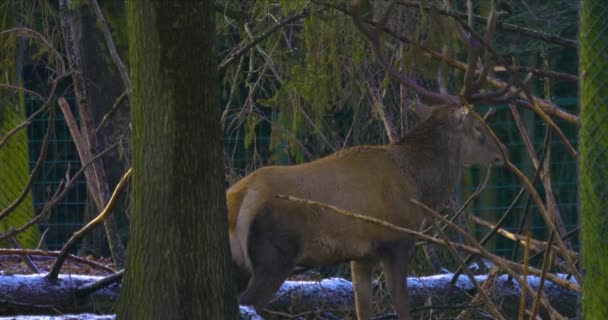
(249, 313)
(334, 286)
(426, 282)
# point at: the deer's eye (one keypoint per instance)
(479, 134)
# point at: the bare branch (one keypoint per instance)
(507, 265)
(21, 88)
(473, 50)
(100, 284)
(522, 300)
(36, 113)
(373, 38)
(535, 245)
(237, 52)
(536, 34)
(33, 34)
(390, 226)
(481, 80)
(541, 73)
(546, 265)
(84, 230)
(122, 69)
(113, 110)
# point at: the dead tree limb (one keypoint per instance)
(237, 52)
(100, 284)
(103, 215)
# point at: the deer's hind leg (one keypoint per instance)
(273, 251)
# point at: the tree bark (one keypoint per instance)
(178, 261)
(593, 154)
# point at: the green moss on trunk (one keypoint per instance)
(14, 162)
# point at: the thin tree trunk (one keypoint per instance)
(87, 148)
(178, 261)
(593, 154)
(103, 92)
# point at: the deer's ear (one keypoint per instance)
(462, 113)
(420, 111)
(458, 116)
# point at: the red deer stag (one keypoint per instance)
(269, 236)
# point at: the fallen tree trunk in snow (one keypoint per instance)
(34, 294)
(300, 297)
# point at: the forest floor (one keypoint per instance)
(16, 265)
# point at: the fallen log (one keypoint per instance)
(302, 297)
(246, 314)
(34, 294)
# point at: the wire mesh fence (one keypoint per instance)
(503, 186)
(593, 154)
(61, 163)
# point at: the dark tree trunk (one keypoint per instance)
(178, 264)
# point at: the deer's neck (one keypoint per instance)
(435, 165)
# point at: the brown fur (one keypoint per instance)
(269, 236)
